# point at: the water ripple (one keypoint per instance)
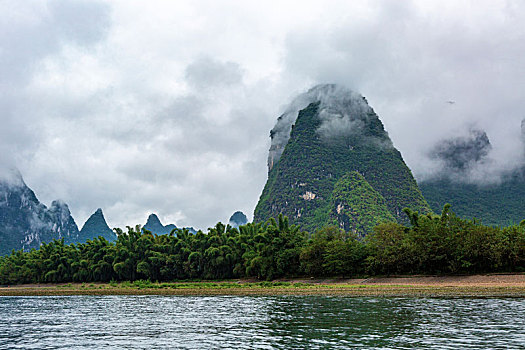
(160, 322)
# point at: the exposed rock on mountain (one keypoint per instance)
(329, 144)
(25, 222)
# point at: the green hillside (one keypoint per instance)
(499, 204)
(302, 183)
(356, 206)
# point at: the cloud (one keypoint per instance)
(408, 59)
(30, 32)
(166, 107)
(342, 113)
(208, 73)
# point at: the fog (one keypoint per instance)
(166, 107)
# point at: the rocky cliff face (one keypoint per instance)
(328, 135)
(25, 222)
(95, 226)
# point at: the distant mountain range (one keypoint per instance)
(95, 226)
(26, 223)
(331, 162)
(154, 226)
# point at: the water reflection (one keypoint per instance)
(160, 322)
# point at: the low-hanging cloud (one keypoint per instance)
(342, 113)
(429, 71)
(165, 107)
(464, 158)
(29, 33)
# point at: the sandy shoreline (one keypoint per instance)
(492, 285)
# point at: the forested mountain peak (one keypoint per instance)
(341, 111)
(323, 135)
(154, 225)
(95, 226)
(25, 222)
(238, 219)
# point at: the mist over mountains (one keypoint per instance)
(343, 112)
(468, 179)
(330, 161)
(337, 165)
(26, 223)
(462, 153)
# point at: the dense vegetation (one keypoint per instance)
(356, 206)
(498, 204)
(302, 184)
(432, 244)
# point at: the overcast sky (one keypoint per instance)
(166, 106)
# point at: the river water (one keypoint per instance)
(281, 322)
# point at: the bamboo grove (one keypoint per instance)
(431, 244)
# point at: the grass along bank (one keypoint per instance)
(496, 285)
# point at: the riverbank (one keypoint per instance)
(493, 285)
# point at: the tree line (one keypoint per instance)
(431, 244)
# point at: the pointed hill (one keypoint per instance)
(238, 219)
(65, 226)
(155, 226)
(26, 223)
(95, 226)
(325, 137)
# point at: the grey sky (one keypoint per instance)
(166, 107)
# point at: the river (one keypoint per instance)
(280, 322)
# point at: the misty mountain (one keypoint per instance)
(238, 219)
(332, 162)
(154, 225)
(461, 153)
(95, 226)
(26, 223)
(494, 203)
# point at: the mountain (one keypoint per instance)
(356, 206)
(332, 162)
(66, 226)
(238, 219)
(25, 222)
(458, 182)
(155, 226)
(458, 155)
(95, 226)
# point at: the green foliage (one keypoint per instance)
(311, 165)
(494, 204)
(332, 252)
(357, 206)
(433, 244)
(444, 244)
